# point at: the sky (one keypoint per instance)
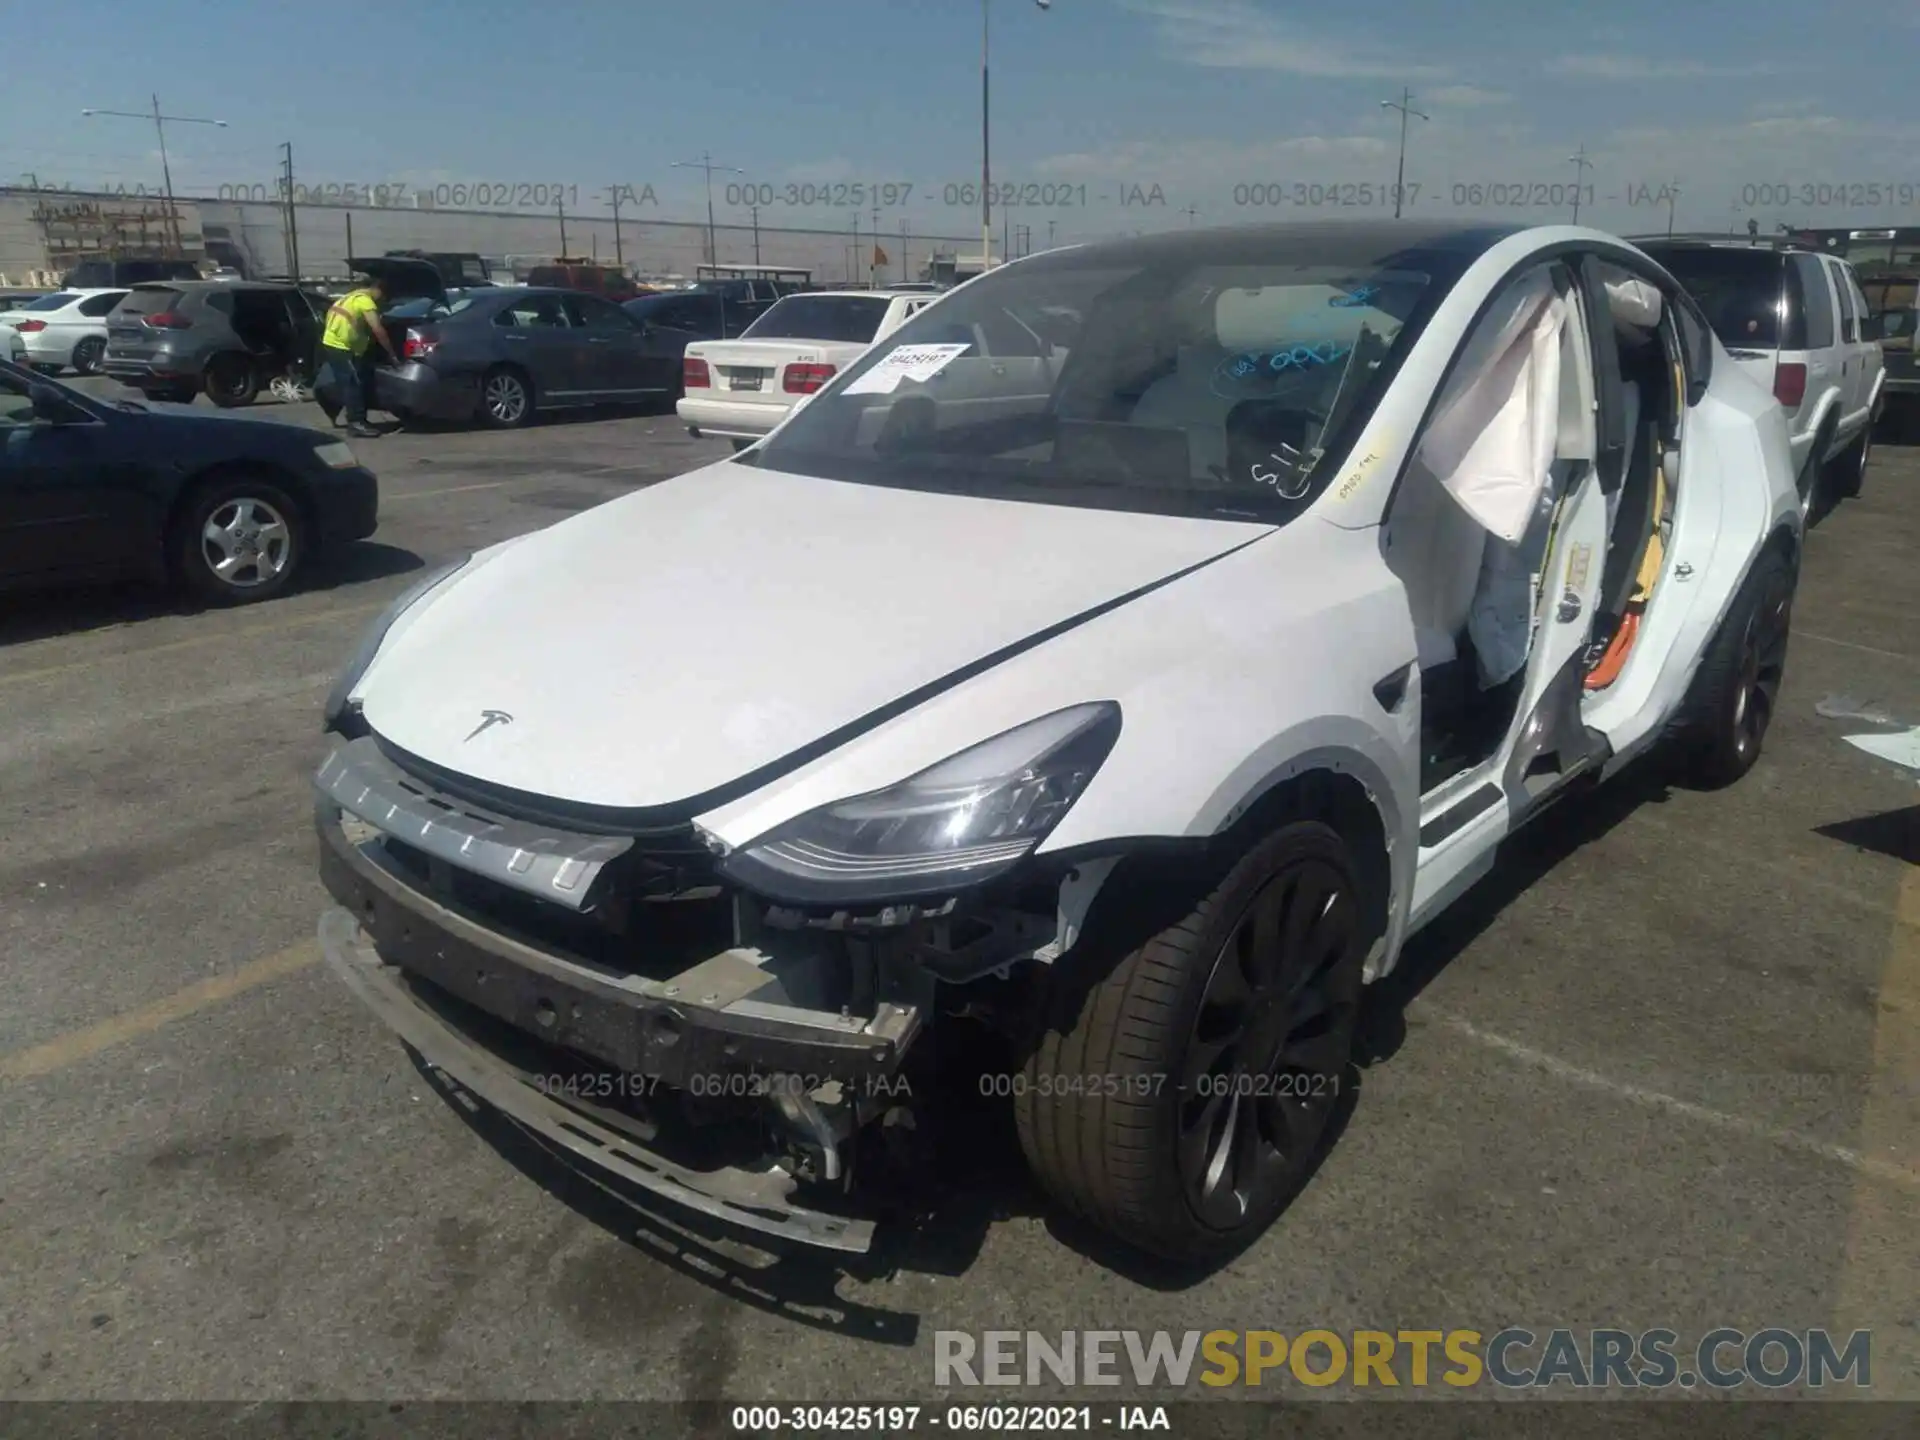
(1108, 116)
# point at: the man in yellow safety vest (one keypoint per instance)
(353, 324)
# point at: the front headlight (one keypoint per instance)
(371, 641)
(963, 821)
(336, 455)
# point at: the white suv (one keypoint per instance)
(1794, 319)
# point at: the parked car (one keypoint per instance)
(1135, 697)
(671, 322)
(1893, 307)
(751, 296)
(68, 327)
(788, 353)
(606, 281)
(122, 274)
(15, 343)
(229, 510)
(502, 353)
(172, 340)
(14, 299)
(1794, 318)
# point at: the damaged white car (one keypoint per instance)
(1127, 655)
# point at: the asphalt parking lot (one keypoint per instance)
(1663, 1070)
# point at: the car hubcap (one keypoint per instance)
(1763, 659)
(246, 543)
(87, 358)
(1270, 1045)
(506, 398)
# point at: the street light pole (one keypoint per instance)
(166, 168)
(986, 166)
(705, 162)
(1404, 106)
(1580, 165)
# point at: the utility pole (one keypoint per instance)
(1405, 106)
(756, 234)
(561, 206)
(1189, 212)
(905, 273)
(1580, 165)
(1050, 234)
(166, 168)
(1673, 193)
(873, 264)
(853, 268)
(705, 164)
(619, 254)
(293, 216)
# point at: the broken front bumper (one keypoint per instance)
(726, 1017)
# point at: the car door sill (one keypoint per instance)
(1453, 819)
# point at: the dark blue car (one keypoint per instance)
(227, 508)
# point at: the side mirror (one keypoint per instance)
(49, 404)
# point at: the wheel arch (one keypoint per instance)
(515, 367)
(282, 477)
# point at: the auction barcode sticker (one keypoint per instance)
(904, 362)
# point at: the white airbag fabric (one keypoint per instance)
(1492, 438)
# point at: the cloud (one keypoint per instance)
(1238, 35)
(1641, 67)
(1465, 97)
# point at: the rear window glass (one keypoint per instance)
(58, 300)
(149, 302)
(820, 317)
(1741, 292)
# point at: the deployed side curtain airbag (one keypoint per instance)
(1492, 439)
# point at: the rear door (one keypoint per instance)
(534, 333)
(1847, 341)
(615, 362)
(1869, 363)
(1814, 344)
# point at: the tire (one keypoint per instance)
(1848, 470)
(1718, 734)
(252, 513)
(232, 381)
(739, 445)
(499, 408)
(1127, 1146)
(87, 355)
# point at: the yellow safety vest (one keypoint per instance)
(347, 325)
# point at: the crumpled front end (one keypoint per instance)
(618, 996)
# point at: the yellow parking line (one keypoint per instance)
(1881, 1275)
(214, 637)
(78, 1045)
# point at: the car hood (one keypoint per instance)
(691, 641)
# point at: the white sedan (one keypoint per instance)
(740, 389)
(1127, 655)
(66, 328)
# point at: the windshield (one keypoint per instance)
(1184, 382)
(820, 317)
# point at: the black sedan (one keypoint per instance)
(230, 509)
(499, 355)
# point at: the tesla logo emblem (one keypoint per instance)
(488, 719)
